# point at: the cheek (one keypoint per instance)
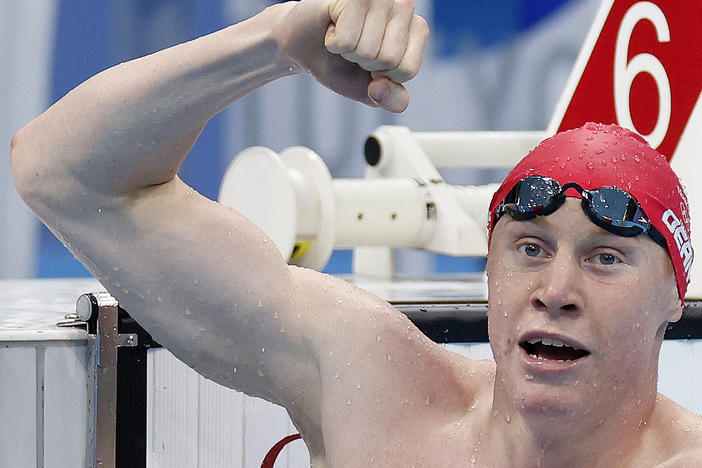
(506, 302)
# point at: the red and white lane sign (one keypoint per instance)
(641, 67)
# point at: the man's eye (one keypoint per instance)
(530, 250)
(605, 259)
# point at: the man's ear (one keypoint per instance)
(676, 312)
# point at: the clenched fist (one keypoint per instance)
(362, 49)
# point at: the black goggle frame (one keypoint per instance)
(610, 208)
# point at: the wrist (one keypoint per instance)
(275, 17)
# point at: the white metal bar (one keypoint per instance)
(379, 212)
(477, 149)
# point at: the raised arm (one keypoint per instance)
(99, 168)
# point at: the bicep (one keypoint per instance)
(204, 281)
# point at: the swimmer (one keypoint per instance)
(582, 282)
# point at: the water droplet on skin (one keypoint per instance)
(508, 418)
(637, 158)
(260, 373)
(472, 459)
(599, 151)
(263, 350)
(348, 402)
(427, 401)
(529, 377)
(358, 386)
(590, 165)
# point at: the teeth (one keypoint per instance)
(547, 341)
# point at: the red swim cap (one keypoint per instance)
(597, 155)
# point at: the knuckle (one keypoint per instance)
(343, 44)
(388, 61)
(406, 73)
(350, 57)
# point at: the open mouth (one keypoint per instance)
(552, 350)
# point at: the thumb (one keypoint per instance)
(389, 95)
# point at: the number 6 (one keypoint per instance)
(624, 73)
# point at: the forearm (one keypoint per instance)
(132, 125)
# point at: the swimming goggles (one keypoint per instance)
(610, 208)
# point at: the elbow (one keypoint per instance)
(24, 171)
(17, 161)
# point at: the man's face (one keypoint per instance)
(576, 314)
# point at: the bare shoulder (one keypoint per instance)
(689, 459)
(681, 432)
(376, 369)
(360, 330)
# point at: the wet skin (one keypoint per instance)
(563, 277)
(416, 404)
(360, 382)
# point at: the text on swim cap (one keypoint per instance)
(682, 240)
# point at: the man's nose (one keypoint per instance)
(558, 286)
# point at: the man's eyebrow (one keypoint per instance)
(538, 222)
(592, 231)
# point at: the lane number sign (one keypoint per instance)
(644, 71)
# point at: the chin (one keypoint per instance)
(545, 406)
(551, 402)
